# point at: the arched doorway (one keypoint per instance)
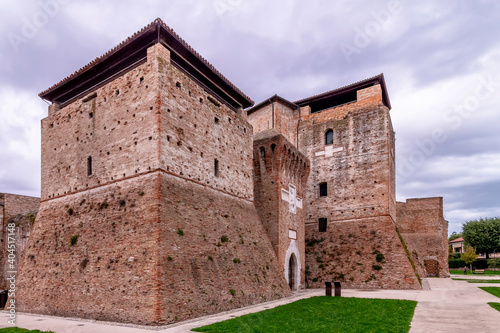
(292, 267)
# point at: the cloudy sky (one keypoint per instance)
(441, 61)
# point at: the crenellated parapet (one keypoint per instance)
(280, 175)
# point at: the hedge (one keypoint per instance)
(457, 263)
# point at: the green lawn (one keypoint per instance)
(20, 330)
(492, 290)
(461, 272)
(495, 306)
(325, 314)
(478, 281)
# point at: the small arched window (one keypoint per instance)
(329, 137)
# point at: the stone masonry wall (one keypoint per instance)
(425, 231)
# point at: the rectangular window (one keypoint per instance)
(216, 168)
(323, 190)
(322, 224)
(89, 166)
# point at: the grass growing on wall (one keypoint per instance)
(409, 256)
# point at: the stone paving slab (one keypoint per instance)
(444, 306)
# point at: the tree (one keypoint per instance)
(483, 235)
(469, 256)
(454, 236)
(494, 263)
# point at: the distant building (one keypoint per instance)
(457, 245)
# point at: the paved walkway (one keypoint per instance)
(455, 306)
(447, 306)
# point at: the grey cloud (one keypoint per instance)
(434, 42)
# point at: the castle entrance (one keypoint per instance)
(431, 267)
(292, 266)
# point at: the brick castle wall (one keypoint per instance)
(359, 208)
(15, 204)
(166, 220)
(20, 210)
(361, 253)
(277, 165)
(425, 231)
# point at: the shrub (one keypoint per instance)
(73, 240)
(169, 258)
(180, 232)
(224, 239)
(232, 292)
(456, 263)
(236, 260)
(380, 257)
(377, 267)
(70, 211)
(312, 242)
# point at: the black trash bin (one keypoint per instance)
(4, 294)
(328, 291)
(337, 288)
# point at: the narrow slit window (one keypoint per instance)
(216, 168)
(329, 137)
(322, 224)
(89, 166)
(323, 189)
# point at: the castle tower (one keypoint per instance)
(280, 173)
(350, 201)
(147, 212)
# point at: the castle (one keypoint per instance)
(166, 195)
